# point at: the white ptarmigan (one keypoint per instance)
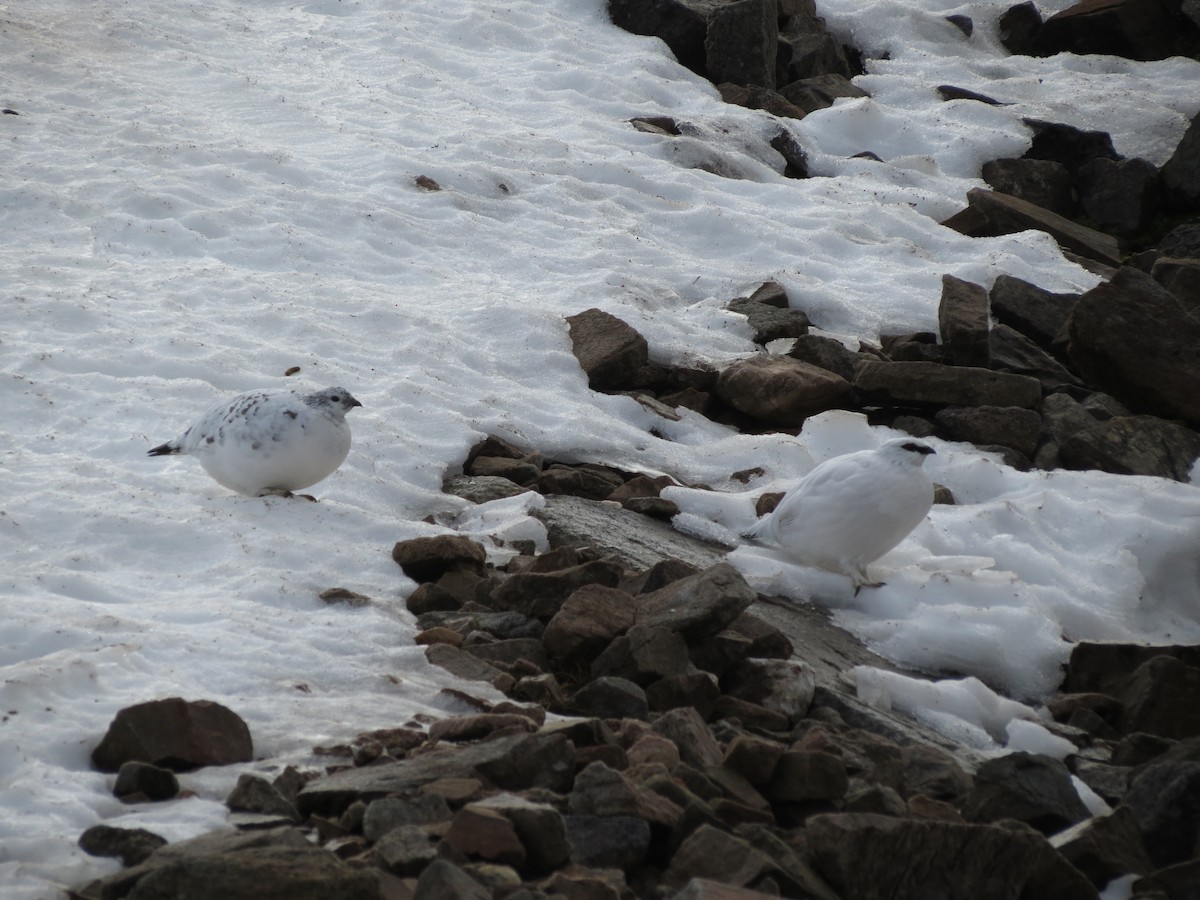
(852, 509)
(270, 442)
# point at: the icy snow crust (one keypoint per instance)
(198, 196)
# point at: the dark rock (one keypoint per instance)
(1036, 313)
(429, 558)
(1134, 445)
(1104, 847)
(481, 488)
(708, 889)
(479, 727)
(506, 653)
(645, 653)
(951, 92)
(806, 48)
(753, 758)
(780, 389)
(131, 845)
(601, 791)
(819, 91)
(993, 213)
(175, 734)
(442, 880)
(466, 666)
(587, 622)
(750, 715)
(962, 23)
(541, 594)
(1017, 25)
(741, 42)
(1009, 426)
(1164, 798)
(684, 728)
(795, 158)
(389, 813)
(431, 597)
(699, 605)
(681, 24)
(932, 384)
(769, 322)
(807, 775)
(512, 762)
(611, 353)
(518, 471)
(612, 697)
(1026, 787)
(766, 641)
(577, 482)
(1068, 145)
(344, 597)
(711, 853)
(618, 842)
(826, 353)
(137, 781)
(255, 794)
(1133, 30)
(698, 690)
(656, 125)
(1016, 354)
(658, 576)
(1176, 882)
(1182, 241)
(1162, 697)
(266, 873)
(871, 857)
(538, 827)
(1104, 667)
(1109, 782)
(1121, 197)
(1182, 278)
(717, 653)
(963, 321)
(1042, 182)
(1135, 339)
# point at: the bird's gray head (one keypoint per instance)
(337, 400)
(908, 450)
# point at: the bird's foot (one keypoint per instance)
(287, 495)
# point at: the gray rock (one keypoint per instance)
(540, 594)
(1008, 426)
(588, 621)
(807, 775)
(963, 322)
(780, 389)
(1134, 445)
(642, 655)
(442, 880)
(781, 685)
(1035, 312)
(699, 605)
(539, 826)
(1014, 353)
(741, 42)
(1164, 798)
(1120, 196)
(388, 813)
(1027, 787)
(255, 794)
(611, 352)
(142, 781)
(1161, 697)
(685, 728)
(932, 384)
(618, 842)
(1104, 847)
(405, 850)
(612, 697)
(769, 322)
(819, 91)
(1042, 182)
(131, 845)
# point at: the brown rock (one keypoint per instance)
(588, 621)
(1134, 445)
(1007, 426)
(541, 594)
(429, 558)
(1026, 787)
(699, 605)
(780, 389)
(1104, 847)
(175, 734)
(803, 775)
(932, 384)
(963, 321)
(610, 352)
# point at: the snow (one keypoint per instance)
(200, 196)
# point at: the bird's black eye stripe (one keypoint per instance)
(914, 447)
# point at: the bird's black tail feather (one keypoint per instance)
(163, 450)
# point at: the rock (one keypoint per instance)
(429, 558)
(618, 842)
(611, 353)
(994, 213)
(932, 384)
(1181, 277)
(601, 791)
(539, 827)
(541, 594)
(138, 781)
(512, 762)
(1027, 787)
(589, 619)
(485, 834)
(255, 794)
(707, 889)
(1134, 445)
(679, 23)
(753, 758)
(481, 488)
(699, 605)
(442, 880)
(933, 772)
(1008, 426)
(710, 853)
(1164, 798)
(430, 597)
(750, 715)
(1103, 667)
(695, 689)
(871, 857)
(819, 91)
(780, 389)
(175, 734)
(806, 48)
(1042, 182)
(783, 686)
(1182, 241)
(578, 481)
(1109, 782)
(1127, 28)
(1014, 353)
(1181, 173)
(1017, 25)
(644, 654)
(963, 322)
(468, 667)
(953, 92)
(1121, 197)
(612, 697)
(518, 471)
(507, 653)
(687, 731)
(741, 42)
(1161, 697)
(826, 353)
(479, 727)
(389, 813)
(131, 845)
(769, 322)
(1104, 847)
(1036, 313)
(1068, 145)
(1134, 339)
(807, 775)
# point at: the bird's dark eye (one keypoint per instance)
(336, 399)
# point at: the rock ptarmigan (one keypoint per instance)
(852, 509)
(269, 442)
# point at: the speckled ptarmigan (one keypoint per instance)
(852, 509)
(270, 442)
